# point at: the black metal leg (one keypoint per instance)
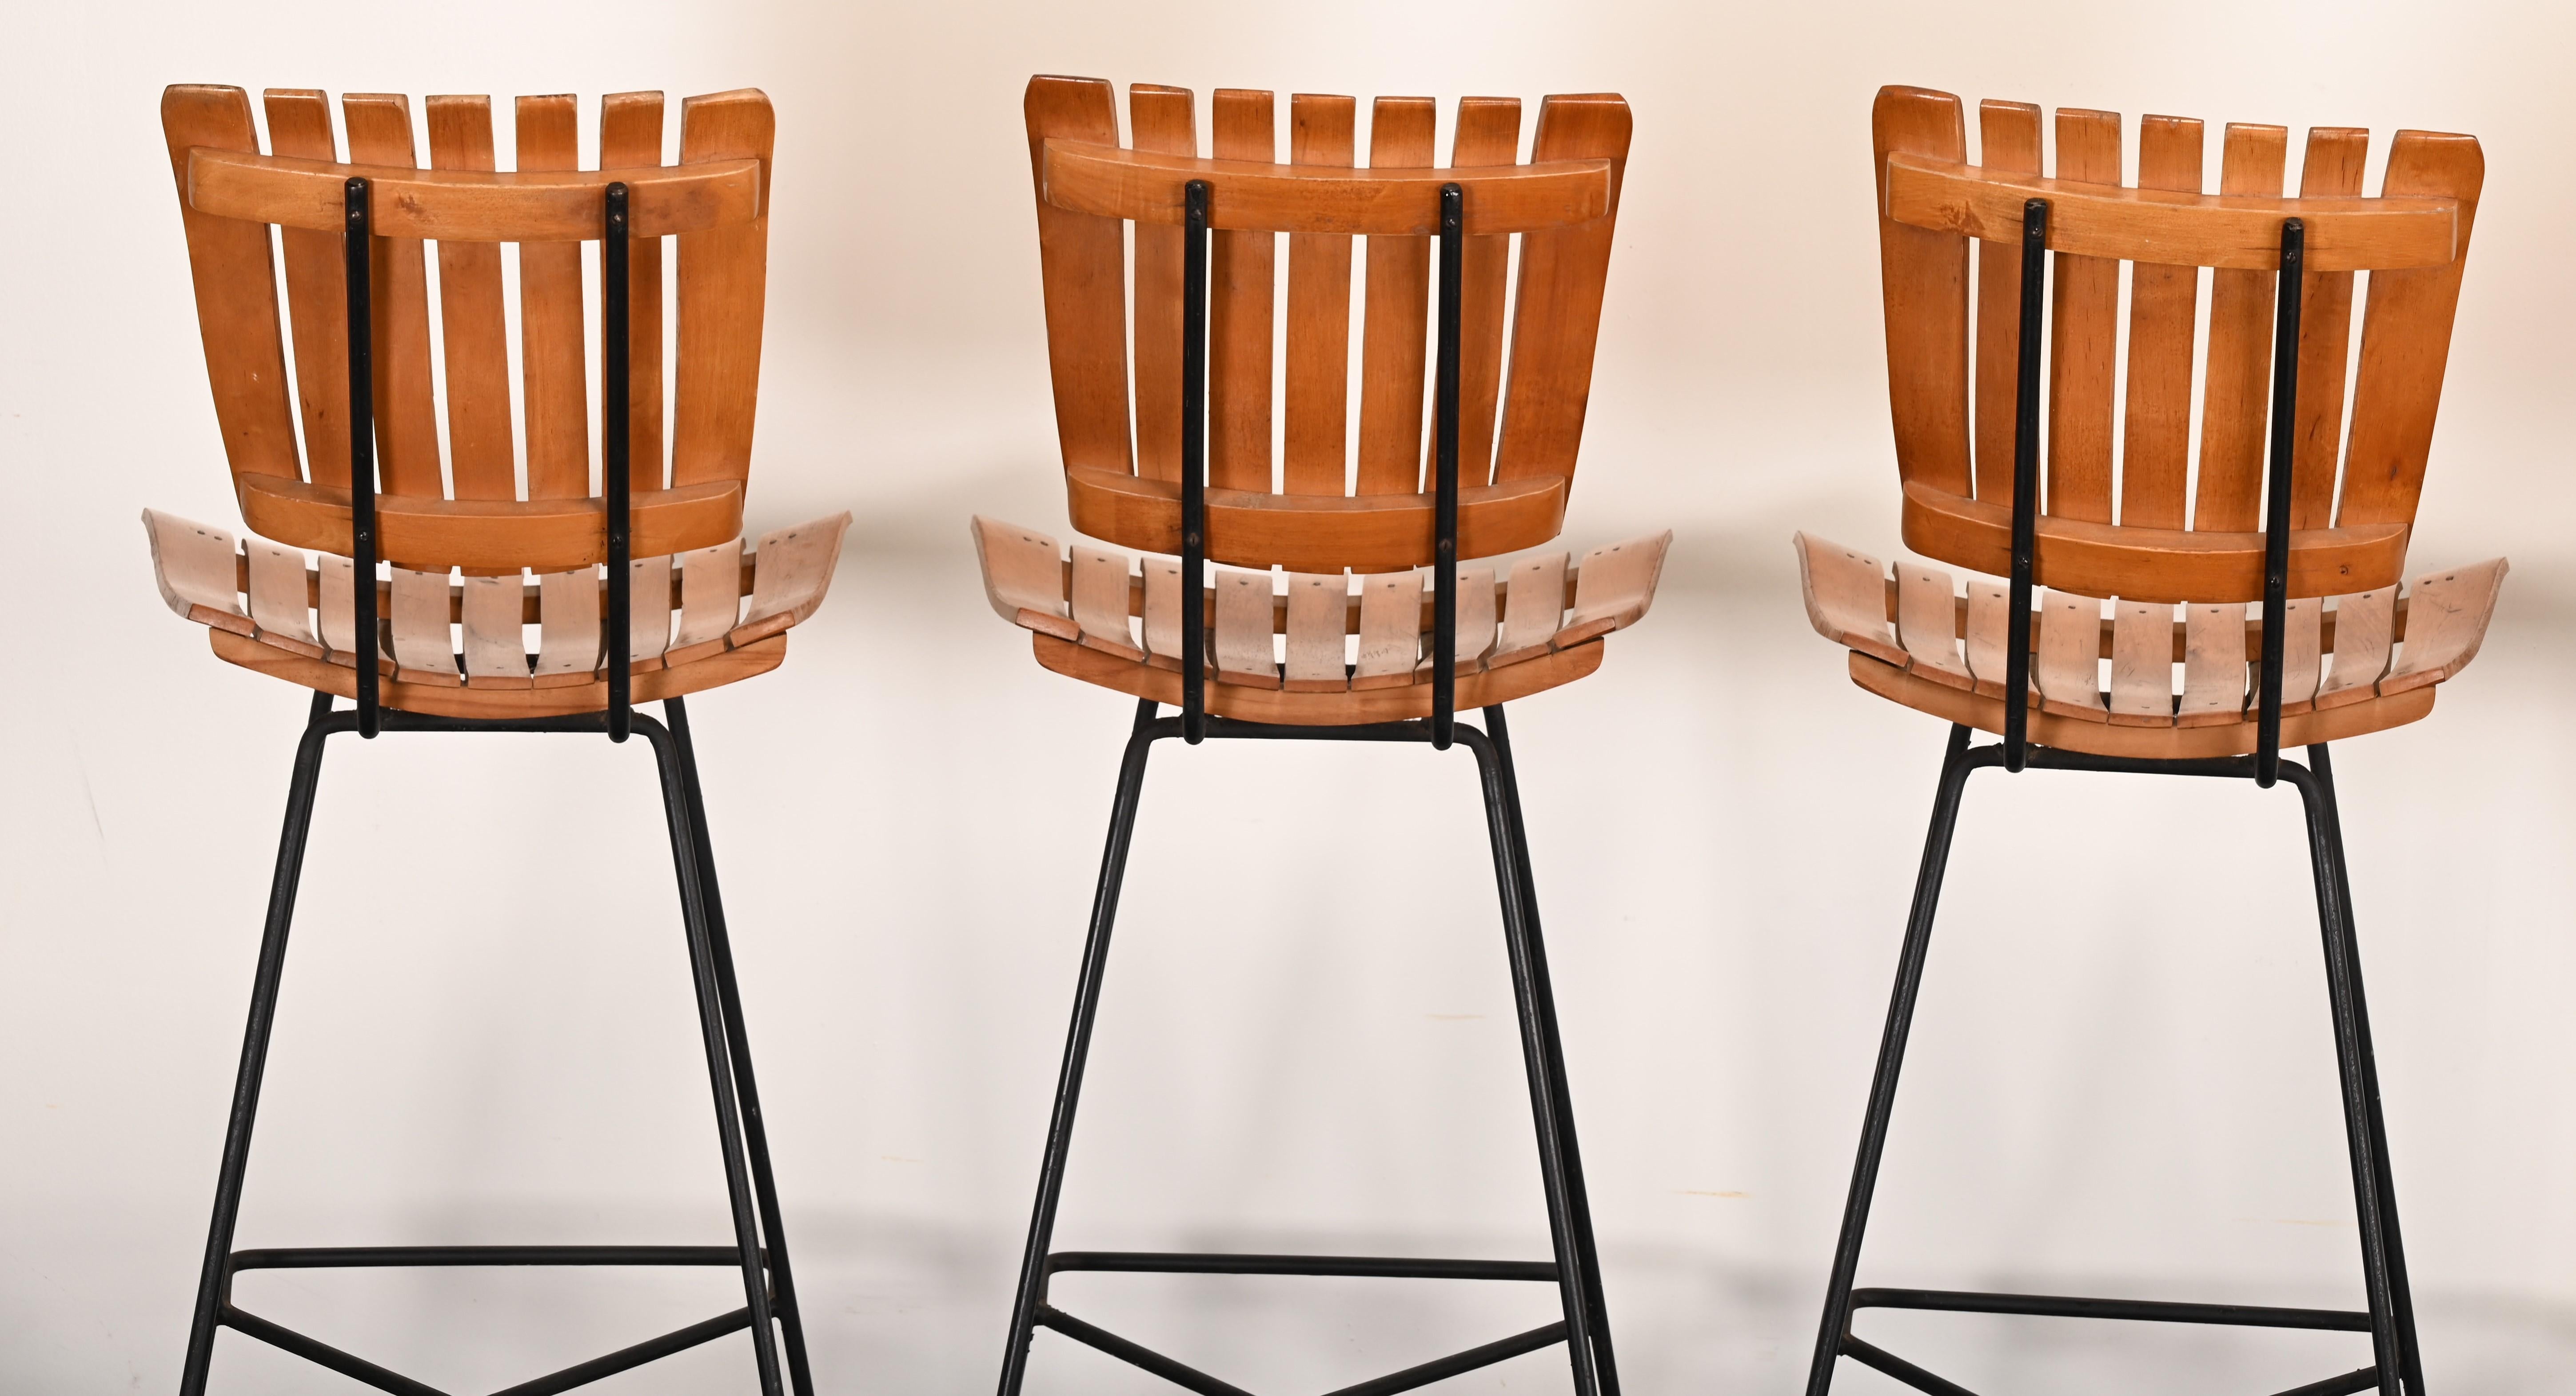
(215, 1280)
(791, 1319)
(1585, 1260)
(1955, 767)
(712, 1026)
(1031, 1294)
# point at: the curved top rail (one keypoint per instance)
(2153, 225)
(1253, 196)
(466, 206)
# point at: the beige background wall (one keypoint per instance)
(2122, 1080)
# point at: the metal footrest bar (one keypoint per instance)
(322, 1354)
(1882, 1360)
(357, 1257)
(1181, 1374)
(1443, 1368)
(2133, 1310)
(1366, 1266)
(1134, 1354)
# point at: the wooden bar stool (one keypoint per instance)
(2258, 517)
(1382, 658)
(462, 531)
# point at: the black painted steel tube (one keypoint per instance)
(2025, 505)
(616, 386)
(1194, 274)
(1444, 518)
(357, 245)
(2276, 497)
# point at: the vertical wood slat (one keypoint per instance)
(1241, 267)
(2213, 665)
(482, 455)
(1161, 121)
(2406, 339)
(2238, 378)
(630, 138)
(1242, 649)
(552, 347)
(1318, 625)
(1556, 312)
(1083, 258)
(1927, 625)
(236, 286)
(1390, 630)
(496, 653)
(1317, 436)
(2164, 306)
(2142, 692)
(2067, 658)
(317, 296)
(2084, 336)
(1098, 591)
(1487, 132)
(1398, 301)
(2333, 166)
(2007, 141)
(1923, 276)
(379, 126)
(724, 281)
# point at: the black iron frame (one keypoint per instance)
(770, 1311)
(1584, 1329)
(2389, 1319)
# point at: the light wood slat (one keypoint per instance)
(279, 603)
(648, 612)
(450, 205)
(2142, 692)
(2237, 377)
(483, 456)
(794, 570)
(1083, 257)
(2406, 338)
(1556, 312)
(194, 566)
(1487, 132)
(1161, 120)
(2446, 620)
(1162, 612)
(2333, 166)
(1927, 619)
(1022, 577)
(1241, 266)
(2214, 676)
(2007, 142)
(2084, 335)
(1253, 194)
(1534, 610)
(1613, 586)
(1923, 277)
(1314, 457)
(710, 599)
(1241, 637)
(496, 649)
(724, 282)
(1988, 640)
(336, 606)
(570, 646)
(553, 352)
(2302, 657)
(424, 648)
(1318, 624)
(379, 125)
(2164, 306)
(1846, 595)
(1100, 599)
(317, 295)
(2068, 657)
(1392, 703)
(1390, 630)
(1476, 626)
(1396, 319)
(630, 137)
(2364, 629)
(236, 287)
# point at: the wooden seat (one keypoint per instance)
(491, 519)
(2133, 515)
(1307, 481)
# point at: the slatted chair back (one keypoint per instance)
(1326, 498)
(2130, 509)
(500, 496)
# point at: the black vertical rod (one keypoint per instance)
(1194, 272)
(215, 1279)
(616, 384)
(2276, 497)
(1956, 766)
(1444, 601)
(2025, 519)
(356, 243)
(755, 1127)
(1077, 1048)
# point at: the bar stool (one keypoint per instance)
(2210, 536)
(369, 483)
(1199, 482)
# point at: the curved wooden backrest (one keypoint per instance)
(2130, 510)
(502, 495)
(1315, 504)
